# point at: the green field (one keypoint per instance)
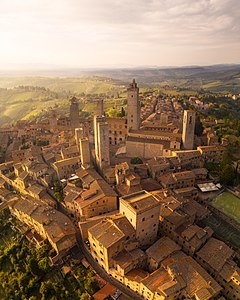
(229, 203)
(33, 97)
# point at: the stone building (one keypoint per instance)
(177, 180)
(159, 251)
(66, 167)
(212, 154)
(179, 277)
(217, 258)
(108, 238)
(142, 211)
(94, 198)
(49, 223)
(117, 130)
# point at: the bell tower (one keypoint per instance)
(133, 106)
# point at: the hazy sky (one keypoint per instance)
(120, 32)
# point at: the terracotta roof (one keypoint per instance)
(216, 253)
(140, 201)
(197, 280)
(162, 249)
(136, 275)
(109, 232)
(103, 293)
(126, 259)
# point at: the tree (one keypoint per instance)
(43, 264)
(58, 191)
(47, 289)
(85, 296)
(113, 112)
(227, 175)
(32, 266)
(90, 285)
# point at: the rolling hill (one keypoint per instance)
(28, 97)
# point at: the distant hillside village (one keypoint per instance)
(134, 189)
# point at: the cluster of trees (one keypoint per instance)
(222, 107)
(25, 272)
(225, 170)
(58, 191)
(114, 112)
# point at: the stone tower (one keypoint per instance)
(53, 120)
(74, 113)
(84, 151)
(100, 109)
(133, 106)
(101, 139)
(188, 129)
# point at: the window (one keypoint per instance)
(143, 219)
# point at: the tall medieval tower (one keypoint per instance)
(100, 109)
(101, 138)
(74, 113)
(133, 106)
(188, 129)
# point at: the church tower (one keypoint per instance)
(74, 113)
(188, 129)
(133, 106)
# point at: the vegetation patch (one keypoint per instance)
(25, 272)
(229, 203)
